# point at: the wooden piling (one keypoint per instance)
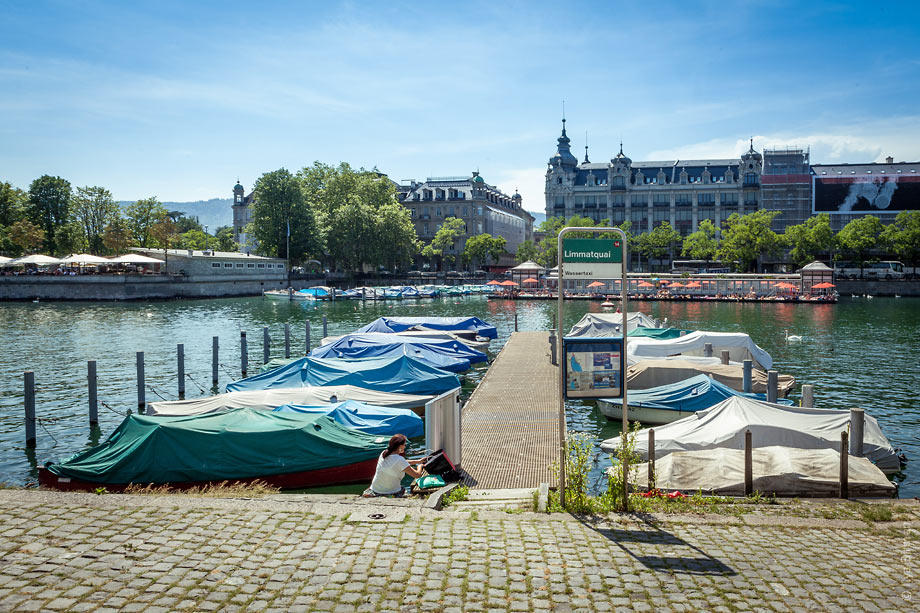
(748, 464)
(287, 341)
(553, 348)
(244, 353)
(651, 459)
(29, 394)
(707, 350)
(325, 327)
(180, 359)
(307, 342)
(725, 356)
(215, 350)
(93, 396)
(266, 346)
(857, 430)
(748, 371)
(515, 320)
(808, 395)
(772, 385)
(141, 401)
(844, 466)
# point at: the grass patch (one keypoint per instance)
(872, 513)
(224, 489)
(458, 494)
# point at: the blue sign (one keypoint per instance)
(594, 367)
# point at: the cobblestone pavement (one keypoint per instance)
(81, 552)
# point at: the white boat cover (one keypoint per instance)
(723, 426)
(739, 345)
(272, 399)
(776, 470)
(608, 324)
(654, 373)
(437, 335)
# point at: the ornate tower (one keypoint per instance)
(239, 211)
(560, 177)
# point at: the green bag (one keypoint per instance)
(429, 482)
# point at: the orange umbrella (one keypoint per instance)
(663, 281)
(694, 284)
(824, 285)
(596, 284)
(493, 282)
(645, 284)
(508, 283)
(530, 280)
(676, 284)
(785, 285)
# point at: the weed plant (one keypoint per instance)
(458, 494)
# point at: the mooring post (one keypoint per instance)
(180, 359)
(651, 459)
(287, 341)
(707, 350)
(808, 395)
(772, 385)
(748, 464)
(93, 397)
(363, 300)
(140, 380)
(725, 356)
(746, 380)
(857, 429)
(552, 346)
(844, 466)
(307, 343)
(325, 327)
(266, 346)
(215, 349)
(290, 293)
(515, 320)
(244, 353)
(29, 393)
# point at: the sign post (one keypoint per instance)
(601, 257)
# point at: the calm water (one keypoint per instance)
(859, 352)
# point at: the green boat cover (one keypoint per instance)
(235, 444)
(658, 332)
(275, 363)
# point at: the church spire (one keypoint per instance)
(586, 148)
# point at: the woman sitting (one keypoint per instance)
(391, 467)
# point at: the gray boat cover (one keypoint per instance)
(739, 345)
(654, 373)
(723, 426)
(782, 471)
(608, 324)
(272, 399)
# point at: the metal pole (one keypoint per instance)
(180, 359)
(844, 466)
(266, 346)
(325, 327)
(29, 393)
(748, 371)
(552, 347)
(725, 356)
(93, 397)
(624, 301)
(748, 464)
(561, 380)
(772, 385)
(215, 348)
(808, 395)
(244, 353)
(857, 429)
(307, 343)
(287, 341)
(140, 380)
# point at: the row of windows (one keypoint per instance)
(245, 265)
(448, 212)
(680, 199)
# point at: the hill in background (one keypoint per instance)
(213, 213)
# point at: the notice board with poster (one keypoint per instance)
(593, 367)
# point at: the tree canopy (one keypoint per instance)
(446, 237)
(482, 247)
(279, 212)
(49, 206)
(141, 216)
(859, 237)
(702, 244)
(94, 209)
(902, 236)
(810, 239)
(747, 237)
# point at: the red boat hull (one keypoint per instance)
(360, 472)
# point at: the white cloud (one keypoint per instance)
(530, 182)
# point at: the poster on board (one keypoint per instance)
(593, 367)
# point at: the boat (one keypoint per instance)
(283, 294)
(401, 374)
(388, 293)
(288, 450)
(455, 325)
(448, 355)
(739, 345)
(268, 400)
(477, 343)
(667, 403)
(362, 417)
(609, 324)
(724, 426)
(666, 371)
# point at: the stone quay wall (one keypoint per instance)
(878, 288)
(134, 287)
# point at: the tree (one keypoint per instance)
(809, 239)
(354, 228)
(12, 209)
(482, 247)
(193, 239)
(282, 217)
(49, 205)
(745, 238)
(396, 241)
(94, 209)
(902, 236)
(660, 242)
(165, 233)
(224, 241)
(526, 251)
(859, 237)
(117, 236)
(141, 216)
(445, 238)
(26, 236)
(69, 238)
(702, 244)
(552, 227)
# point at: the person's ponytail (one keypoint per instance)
(395, 441)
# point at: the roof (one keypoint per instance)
(158, 253)
(902, 168)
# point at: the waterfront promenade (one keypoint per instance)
(83, 552)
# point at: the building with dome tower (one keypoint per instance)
(242, 215)
(681, 192)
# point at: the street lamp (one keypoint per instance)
(205, 238)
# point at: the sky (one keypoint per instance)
(179, 99)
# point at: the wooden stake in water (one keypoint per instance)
(180, 358)
(141, 402)
(748, 372)
(857, 429)
(266, 346)
(772, 385)
(287, 341)
(215, 349)
(93, 398)
(29, 393)
(748, 464)
(844, 466)
(325, 327)
(307, 341)
(808, 395)
(244, 353)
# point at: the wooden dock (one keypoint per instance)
(510, 425)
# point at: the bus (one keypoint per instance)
(700, 267)
(886, 269)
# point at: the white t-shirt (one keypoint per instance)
(390, 471)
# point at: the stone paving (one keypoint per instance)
(82, 552)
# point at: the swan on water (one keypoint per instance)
(792, 337)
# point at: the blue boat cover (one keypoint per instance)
(445, 324)
(444, 354)
(319, 292)
(400, 374)
(367, 418)
(693, 394)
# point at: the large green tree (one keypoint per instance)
(117, 236)
(902, 237)
(702, 244)
(25, 236)
(663, 241)
(13, 202)
(94, 209)
(526, 251)
(141, 216)
(281, 216)
(397, 242)
(747, 237)
(353, 227)
(444, 239)
(482, 247)
(859, 238)
(224, 241)
(49, 206)
(810, 239)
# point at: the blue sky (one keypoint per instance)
(177, 99)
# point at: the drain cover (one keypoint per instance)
(376, 516)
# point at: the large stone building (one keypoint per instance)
(242, 215)
(483, 207)
(786, 185)
(681, 192)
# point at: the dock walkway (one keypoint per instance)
(510, 427)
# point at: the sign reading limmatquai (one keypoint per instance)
(592, 258)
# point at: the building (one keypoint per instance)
(785, 185)
(681, 192)
(484, 208)
(242, 215)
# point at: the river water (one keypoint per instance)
(859, 352)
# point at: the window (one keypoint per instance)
(618, 182)
(683, 199)
(261, 265)
(751, 179)
(660, 215)
(729, 199)
(228, 265)
(637, 217)
(437, 212)
(638, 200)
(662, 200)
(250, 265)
(215, 264)
(706, 198)
(239, 265)
(560, 201)
(618, 200)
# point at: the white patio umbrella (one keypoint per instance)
(134, 258)
(84, 258)
(35, 259)
(4, 260)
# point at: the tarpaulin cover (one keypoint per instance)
(447, 355)
(423, 336)
(770, 424)
(275, 363)
(693, 394)
(401, 374)
(776, 470)
(608, 324)
(653, 373)
(739, 345)
(367, 418)
(448, 324)
(232, 445)
(268, 400)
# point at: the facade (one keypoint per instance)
(242, 215)
(786, 185)
(681, 192)
(483, 207)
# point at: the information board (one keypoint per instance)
(592, 258)
(593, 367)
